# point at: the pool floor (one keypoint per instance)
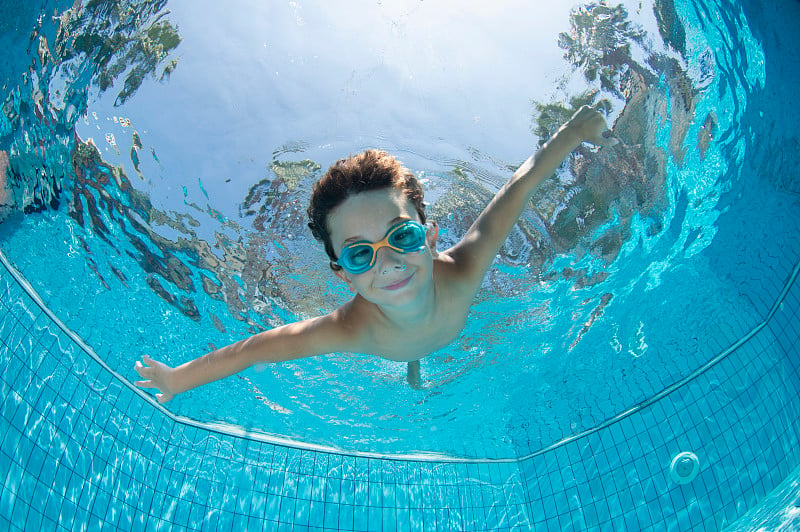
(82, 449)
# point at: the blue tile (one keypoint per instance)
(585, 494)
(361, 494)
(614, 505)
(637, 494)
(225, 521)
(316, 514)
(241, 522)
(182, 512)
(21, 516)
(304, 487)
(659, 509)
(254, 522)
(11, 436)
(561, 501)
(390, 519)
(590, 516)
(13, 334)
(346, 516)
(597, 488)
(36, 461)
(14, 369)
(68, 515)
(7, 492)
(683, 521)
(6, 524)
(61, 479)
(567, 479)
(626, 499)
(331, 515)
(360, 518)
(537, 510)
(288, 509)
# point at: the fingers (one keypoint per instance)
(592, 122)
(606, 139)
(160, 397)
(589, 111)
(144, 371)
(163, 397)
(149, 372)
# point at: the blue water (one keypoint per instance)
(187, 257)
(169, 219)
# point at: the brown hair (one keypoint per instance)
(370, 170)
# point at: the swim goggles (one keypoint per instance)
(405, 237)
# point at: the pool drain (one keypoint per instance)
(684, 467)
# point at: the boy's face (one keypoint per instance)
(396, 279)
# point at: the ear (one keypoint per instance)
(341, 274)
(431, 237)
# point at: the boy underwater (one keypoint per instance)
(410, 298)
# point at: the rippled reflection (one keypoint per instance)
(555, 275)
(596, 191)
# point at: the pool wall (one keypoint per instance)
(81, 448)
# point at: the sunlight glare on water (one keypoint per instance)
(336, 79)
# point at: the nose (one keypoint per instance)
(388, 260)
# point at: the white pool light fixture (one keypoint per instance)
(684, 467)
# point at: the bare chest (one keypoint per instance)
(414, 343)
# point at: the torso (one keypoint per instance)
(370, 334)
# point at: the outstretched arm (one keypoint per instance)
(473, 255)
(291, 341)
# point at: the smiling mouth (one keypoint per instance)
(399, 284)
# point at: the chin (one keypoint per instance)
(403, 296)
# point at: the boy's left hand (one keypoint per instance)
(589, 125)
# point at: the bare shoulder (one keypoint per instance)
(457, 271)
(456, 281)
(341, 329)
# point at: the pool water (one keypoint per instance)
(646, 304)
(205, 241)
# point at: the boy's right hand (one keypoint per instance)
(158, 376)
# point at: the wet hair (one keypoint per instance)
(370, 170)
